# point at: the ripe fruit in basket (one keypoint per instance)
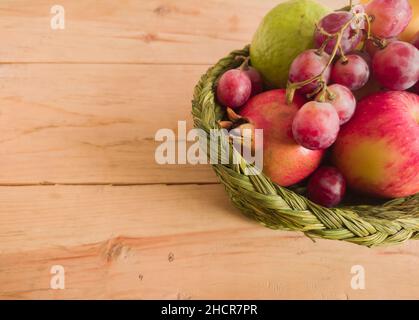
(331, 23)
(234, 88)
(326, 187)
(306, 65)
(285, 32)
(413, 25)
(378, 150)
(284, 161)
(372, 49)
(316, 125)
(353, 72)
(337, 33)
(390, 17)
(397, 66)
(342, 100)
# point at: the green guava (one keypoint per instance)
(284, 32)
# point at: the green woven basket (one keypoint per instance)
(282, 208)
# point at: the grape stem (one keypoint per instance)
(379, 42)
(322, 85)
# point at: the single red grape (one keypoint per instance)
(397, 66)
(234, 88)
(309, 64)
(316, 125)
(352, 73)
(364, 55)
(332, 23)
(372, 49)
(326, 187)
(390, 17)
(343, 101)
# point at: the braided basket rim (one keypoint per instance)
(281, 208)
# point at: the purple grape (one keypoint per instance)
(326, 187)
(390, 17)
(397, 66)
(344, 102)
(307, 65)
(316, 125)
(332, 23)
(234, 88)
(352, 73)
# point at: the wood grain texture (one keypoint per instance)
(129, 31)
(93, 123)
(130, 242)
(81, 106)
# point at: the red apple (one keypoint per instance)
(284, 161)
(378, 150)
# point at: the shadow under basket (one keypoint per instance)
(282, 208)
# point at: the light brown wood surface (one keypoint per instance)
(79, 186)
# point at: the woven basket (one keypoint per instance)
(282, 208)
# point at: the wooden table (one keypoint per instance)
(80, 187)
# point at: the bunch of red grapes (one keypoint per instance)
(393, 63)
(329, 73)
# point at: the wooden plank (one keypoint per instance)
(77, 108)
(93, 123)
(180, 242)
(132, 31)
